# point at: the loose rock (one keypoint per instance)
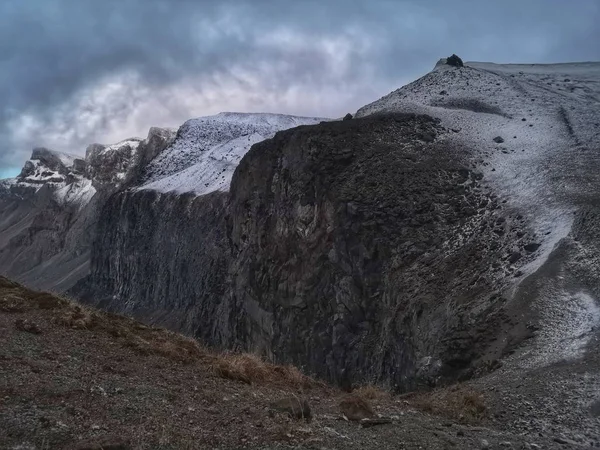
(27, 326)
(294, 407)
(356, 408)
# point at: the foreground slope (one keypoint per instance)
(76, 378)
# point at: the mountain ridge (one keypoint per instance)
(419, 243)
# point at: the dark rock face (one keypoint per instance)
(163, 259)
(531, 247)
(351, 243)
(454, 60)
(348, 117)
(361, 250)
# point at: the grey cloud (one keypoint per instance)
(171, 59)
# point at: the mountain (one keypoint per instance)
(533, 132)
(446, 233)
(402, 246)
(49, 212)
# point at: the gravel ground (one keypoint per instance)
(75, 378)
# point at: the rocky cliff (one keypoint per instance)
(162, 252)
(162, 258)
(446, 231)
(50, 210)
(368, 250)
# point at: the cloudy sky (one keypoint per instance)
(74, 72)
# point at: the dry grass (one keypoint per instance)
(372, 392)
(250, 368)
(146, 340)
(458, 402)
(76, 316)
(355, 407)
(12, 303)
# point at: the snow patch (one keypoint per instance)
(133, 143)
(207, 150)
(567, 328)
(78, 193)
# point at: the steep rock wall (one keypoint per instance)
(162, 258)
(362, 250)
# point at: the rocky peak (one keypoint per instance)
(453, 61)
(110, 164)
(46, 166)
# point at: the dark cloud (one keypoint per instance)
(76, 71)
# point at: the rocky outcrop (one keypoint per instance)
(455, 61)
(50, 210)
(364, 250)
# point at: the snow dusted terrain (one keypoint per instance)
(61, 173)
(545, 115)
(535, 131)
(49, 211)
(208, 149)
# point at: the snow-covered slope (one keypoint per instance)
(534, 126)
(535, 133)
(208, 149)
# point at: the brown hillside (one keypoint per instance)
(76, 378)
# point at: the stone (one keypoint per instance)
(498, 140)
(455, 61)
(514, 257)
(367, 423)
(485, 444)
(356, 408)
(294, 407)
(27, 326)
(103, 443)
(532, 247)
